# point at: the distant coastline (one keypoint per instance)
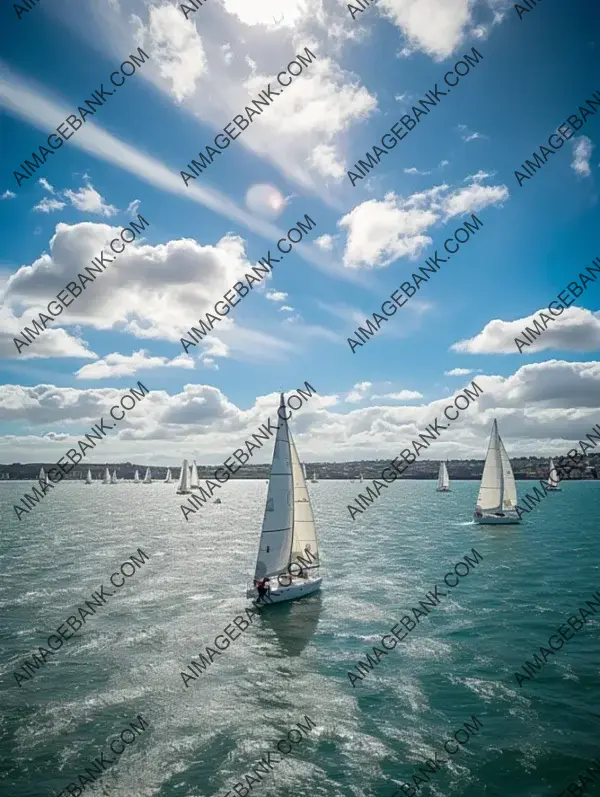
(524, 468)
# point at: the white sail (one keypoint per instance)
(194, 477)
(304, 533)
(168, 476)
(136, 477)
(498, 490)
(106, 479)
(88, 478)
(360, 478)
(443, 478)
(148, 477)
(553, 479)
(42, 476)
(113, 478)
(183, 486)
(275, 545)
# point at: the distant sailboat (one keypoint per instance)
(148, 477)
(113, 478)
(42, 476)
(194, 477)
(360, 478)
(168, 476)
(88, 478)
(314, 478)
(217, 501)
(288, 530)
(553, 479)
(136, 477)
(106, 479)
(443, 479)
(183, 486)
(497, 499)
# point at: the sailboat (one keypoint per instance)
(360, 478)
(288, 530)
(42, 476)
(443, 479)
(88, 478)
(194, 477)
(106, 479)
(497, 499)
(168, 476)
(553, 480)
(148, 477)
(113, 478)
(136, 477)
(314, 478)
(183, 486)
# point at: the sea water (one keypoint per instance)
(293, 661)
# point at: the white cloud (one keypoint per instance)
(115, 365)
(582, 153)
(576, 329)
(46, 185)
(88, 200)
(48, 205)
(379, 232)
(435, 26)
(459, 372)
(326, 159)
(476, 178)
(325, 242)
(133, 207)
(359, 392)
(413, 170)
(403, 395)
(543, 408)
(467, 135)
(50, 343)
(8, 195)
(286, 308)
(276, 296)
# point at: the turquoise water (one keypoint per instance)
(292, 661)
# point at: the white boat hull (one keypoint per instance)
(494, 520)
(554, 489)
(299, 588)
(443, 489)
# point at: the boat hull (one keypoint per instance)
(298, 589)
(494, 520)
(443, 489)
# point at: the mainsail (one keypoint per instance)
(274, 550)
(113, 478)
(168, 476)
(443, 478)
(42, 476)
(183, 486)
(136, 477)
(498, 490)
(106, 479)
(88, 478)
(148, 477)
(194, 477)
(553, 480)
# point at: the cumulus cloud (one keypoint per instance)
(435, 26)
(582, 153)
(541, 408)
(459, 372)
(88, 200)
(49, 205)
(381, 231)
(46, 185)
(115, 365)
(152, 292)
(325, 242)
(359, 392)
(402, 395)
(276, 296)
(8, 195)
(576, 329)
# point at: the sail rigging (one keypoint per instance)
(183, 486)
(443, 478)
(498, 490)
(553, 479)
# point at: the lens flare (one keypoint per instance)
(265, 200)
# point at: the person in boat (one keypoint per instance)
(263, 587)
(478, 513)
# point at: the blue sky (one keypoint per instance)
(535, 72)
